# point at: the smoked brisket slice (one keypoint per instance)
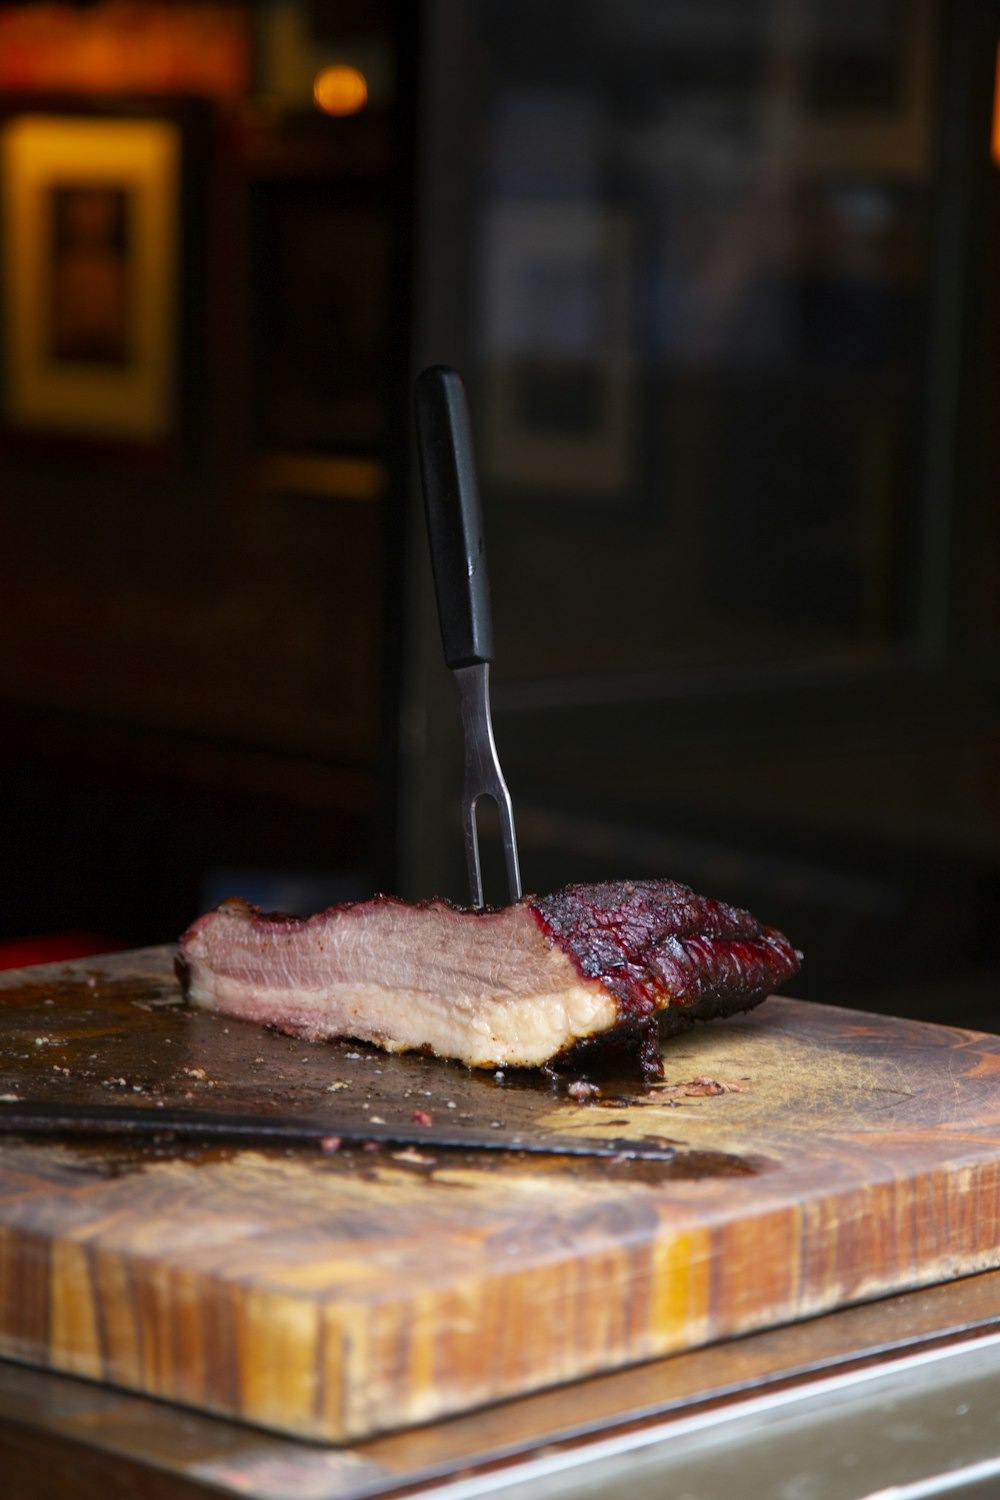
(591, 967)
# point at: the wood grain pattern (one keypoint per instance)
(64, 1439)
(338, 1296)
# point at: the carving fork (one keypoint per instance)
(461, 582)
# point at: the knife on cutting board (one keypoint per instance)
(132, 1121)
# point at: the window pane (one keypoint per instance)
(701, 243)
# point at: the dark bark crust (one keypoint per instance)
(655, 943)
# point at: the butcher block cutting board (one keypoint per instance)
(823, 1156)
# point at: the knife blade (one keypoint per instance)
(31, 1118)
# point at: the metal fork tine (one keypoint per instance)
(472, 851)
(505, 808)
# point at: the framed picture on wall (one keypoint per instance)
(561, 382)
(862, 90)
(90, 279)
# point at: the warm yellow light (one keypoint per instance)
(340, 90)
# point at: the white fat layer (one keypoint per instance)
(488, 990)
(501, 1031)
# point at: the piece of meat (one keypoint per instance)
(589, 968)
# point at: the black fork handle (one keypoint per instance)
(454, 517)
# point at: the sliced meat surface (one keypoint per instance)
(589, 966)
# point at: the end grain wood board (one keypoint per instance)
(337, 1296)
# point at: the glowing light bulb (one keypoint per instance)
(340, 90)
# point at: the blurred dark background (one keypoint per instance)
(722, 279)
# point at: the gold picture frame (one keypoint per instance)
(90, 277)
